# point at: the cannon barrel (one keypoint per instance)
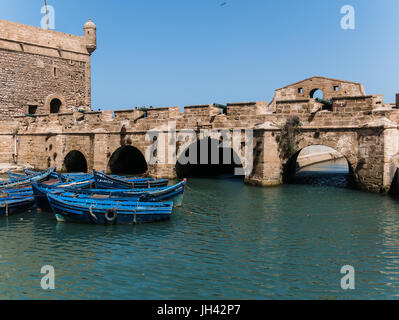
(325, 102)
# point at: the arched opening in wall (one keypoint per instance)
(127, 160)
(209, 158)
(316, 93)
(55, 105)
(319, 165)
(75, 161)
(394, 188)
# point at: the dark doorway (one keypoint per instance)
(75, 161)
(127, 160)
(55, 106)
(201, 165)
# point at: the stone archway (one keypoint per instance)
(127, 160)
(289, 168)
(75, 161)
(55, 103)
(208, 157)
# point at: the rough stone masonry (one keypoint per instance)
(45, 117)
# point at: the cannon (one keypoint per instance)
(325, 102)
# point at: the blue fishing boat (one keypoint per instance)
(69, 177)
(30, 173)
(108, 212)
(25, 183)
(104, 181)
(15, 176)
(16, 192)
(173, 194)
(10, 206)
(40, 191)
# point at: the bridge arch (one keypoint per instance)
(208, 157)
(75, 161)
(127, 160)
(291, 167)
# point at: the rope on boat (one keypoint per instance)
(6, 204)
(134, 216)
(91, 212)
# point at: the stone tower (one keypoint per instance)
(44, 71)
(90, 36)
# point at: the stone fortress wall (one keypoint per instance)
(43, 67)
(361, 127)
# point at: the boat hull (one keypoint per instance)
(172, 193)
(11, 207)
(91, 213)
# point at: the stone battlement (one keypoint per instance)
(28, 39)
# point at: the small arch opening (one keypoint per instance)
(209, 158)
(55, 105)
(316, 93)
(127, 160)
(75, 161)
(319, 165)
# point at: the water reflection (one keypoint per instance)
(330, 173)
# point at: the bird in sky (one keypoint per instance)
(223, 4)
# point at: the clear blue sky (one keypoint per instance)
(182, 52)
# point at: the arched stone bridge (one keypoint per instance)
(359, 126)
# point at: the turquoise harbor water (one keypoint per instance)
(229, 241)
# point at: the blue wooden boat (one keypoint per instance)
(16, 192)
(108, 212)
(40, 191)
(30, 173)
(15, 176)
(173, 194)
(10, 206)
(25, 183)
(69, 177)
(104, 181)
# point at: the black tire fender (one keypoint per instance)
(111, 215)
